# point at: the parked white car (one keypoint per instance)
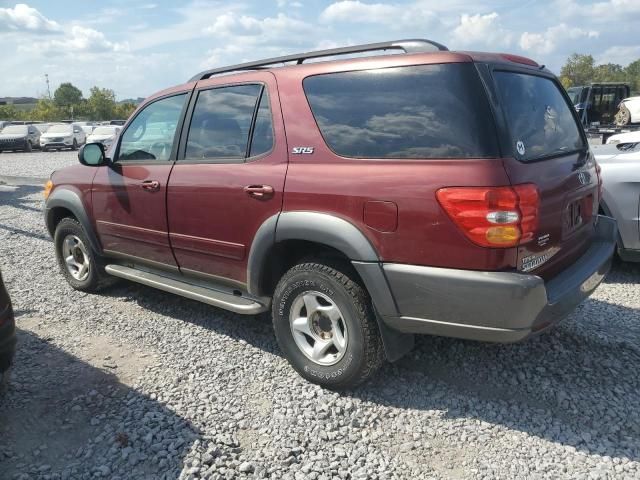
(628, 137)
(62, 135)
(620, 166)
(628, 111)
(105, 135)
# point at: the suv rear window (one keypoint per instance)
(538, 116)
(424, 111)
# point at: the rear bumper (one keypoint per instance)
(492, 306)
(7, 338)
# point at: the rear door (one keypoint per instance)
(229, 176)
(545, 145)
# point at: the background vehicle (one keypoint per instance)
(117, 122)
(620, 165)
(19, 137)
(628, 137)
(88, 127)
(104, 135)
(7, 335)
(62, 135)
(598, 103)
(629, 111)
(408, 188)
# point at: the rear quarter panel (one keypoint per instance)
(326, 182)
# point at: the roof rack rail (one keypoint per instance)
(408, 46)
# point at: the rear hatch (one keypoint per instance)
(546, 146)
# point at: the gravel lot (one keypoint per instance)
(136, 383)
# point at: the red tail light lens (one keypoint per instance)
(500, 217)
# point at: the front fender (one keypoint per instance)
(67, 199)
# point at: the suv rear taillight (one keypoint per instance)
(493, 216)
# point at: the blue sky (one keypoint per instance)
(138, 47)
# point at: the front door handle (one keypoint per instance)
(259, 191)
(151, 185)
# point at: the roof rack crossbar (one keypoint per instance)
(408, 46)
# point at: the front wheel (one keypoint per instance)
(325, 325)
(29, 146)
(80, 266)
(623, 117)
(75, 145)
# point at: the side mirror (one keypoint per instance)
(92, 155)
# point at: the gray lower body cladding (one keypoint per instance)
(488, 306)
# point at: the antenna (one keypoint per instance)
(46, 76)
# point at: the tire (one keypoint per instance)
(74, 253)
(333, 290)
(623, 117)
(29, 147)
(75, 145)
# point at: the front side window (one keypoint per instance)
(424, 111)
(221, 123)
(150, 135)
(539, 119)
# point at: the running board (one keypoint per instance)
(209, 296)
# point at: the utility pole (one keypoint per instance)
(46, 75)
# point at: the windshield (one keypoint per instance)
(21, 129)
(59, 129)
(540, 120)
(574, 94)
(104, 131)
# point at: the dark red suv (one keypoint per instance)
(362, 200)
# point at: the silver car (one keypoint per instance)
(620, 165)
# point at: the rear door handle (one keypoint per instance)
(151, 185)
(259, 191)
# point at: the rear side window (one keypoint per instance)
(425, 111)
(221, 123)
(262, 140)
(538, 116)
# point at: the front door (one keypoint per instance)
(229, 176)
(129, 196)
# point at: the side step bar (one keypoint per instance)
(209, 296)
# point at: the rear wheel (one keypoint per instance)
(623, 117)
(325, 325)
(80, 266)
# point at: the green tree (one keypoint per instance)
(608, 72)
(632, 75)
(124, 110)
(9, 112)
(579, 70)
(47, 110)
(67, 95)
(101, 104)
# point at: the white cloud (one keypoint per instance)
(395, 16)
(598, 12)
(481, 30)
(24, 18)
(622, 55)
(289, 3)
(81, 40)
(548, 41)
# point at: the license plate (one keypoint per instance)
(574, 215)
(578, 213)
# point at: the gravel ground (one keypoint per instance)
(136, 383)
(36, 163)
